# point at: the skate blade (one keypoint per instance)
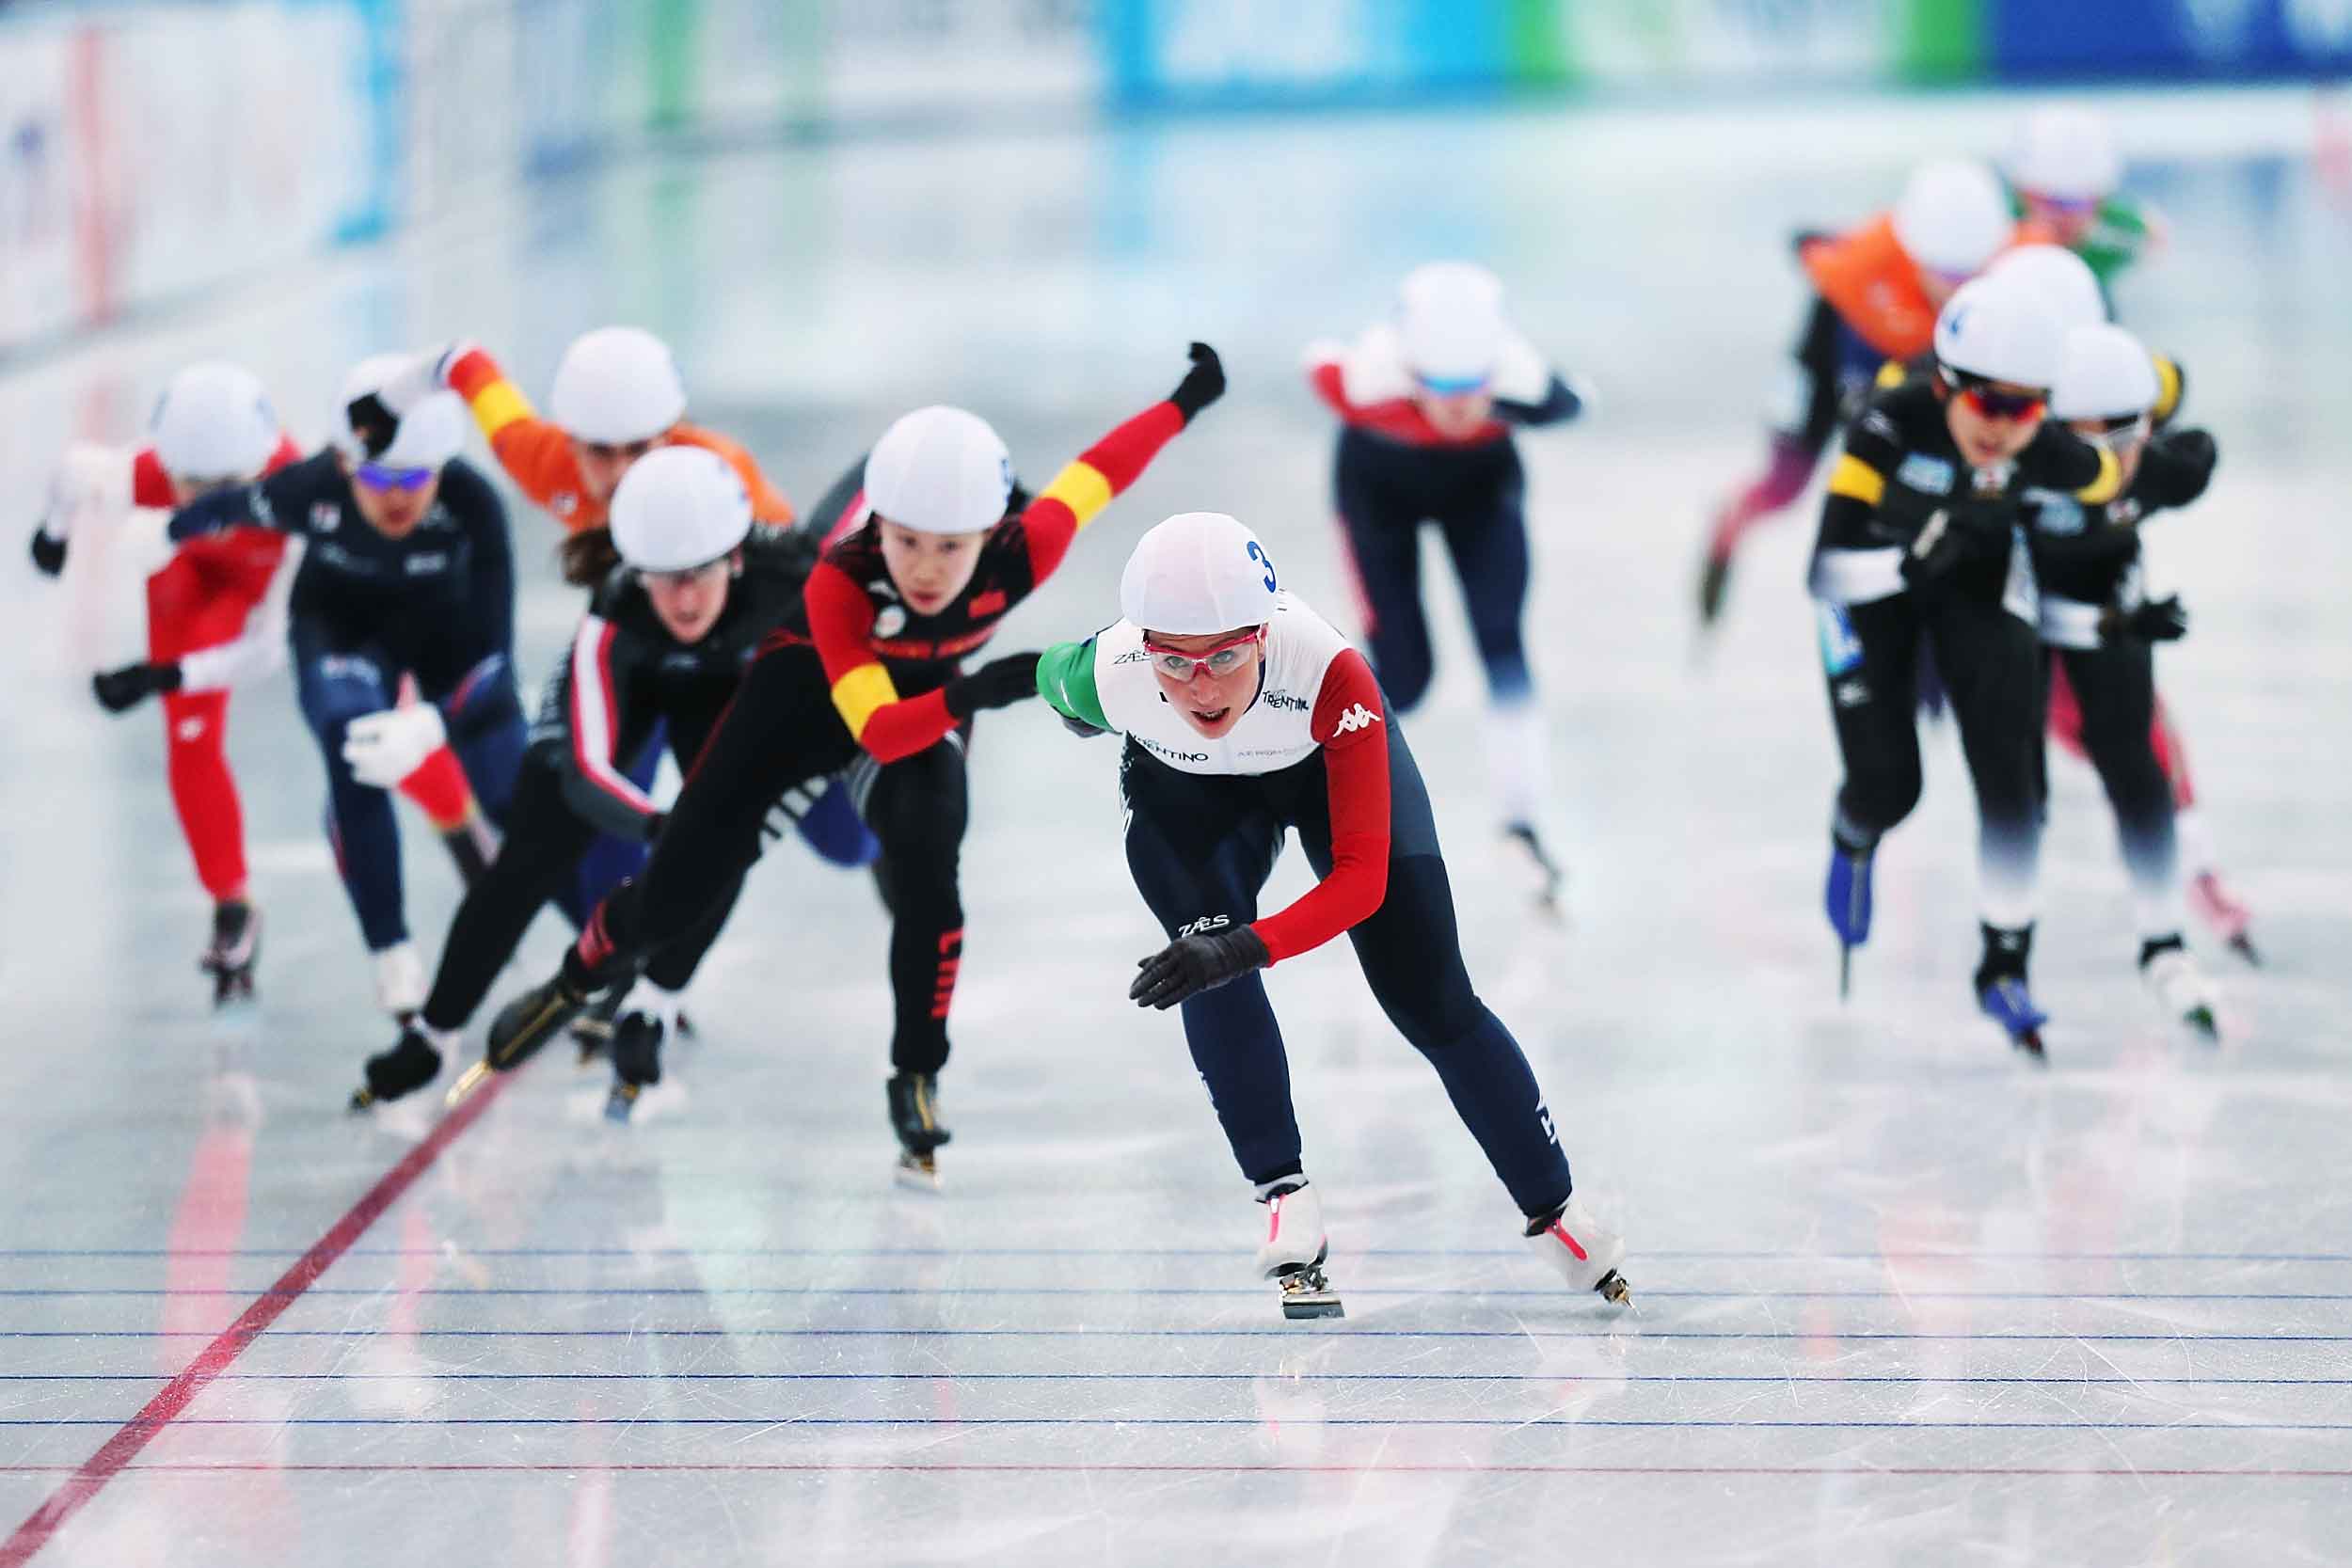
(621, 1103)
(1613, 1289)
(1307, 1293)
(467, 1082)
(2201, 1022)
(2029, 1045)
(2242, 946)
(361, 1098)
(918, 1173)
(1845, 971)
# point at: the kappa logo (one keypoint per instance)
(1206, 923)
(1356, 717)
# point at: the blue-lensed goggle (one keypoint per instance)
(1451, 385)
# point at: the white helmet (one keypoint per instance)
(1952, 217)
(2065, 152)
(618, 385)
(431, 433)
(1450, 321)
(1198, 572)
(2063, 279)
(2105, 374)
(215, 422)
(939, 470)
(2002, 331)
(678, 508)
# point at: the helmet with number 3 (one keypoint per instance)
(1196, 574)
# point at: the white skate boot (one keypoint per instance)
(1294, 1249)
(2182, 986)
(399, 980)
(1585, 1254)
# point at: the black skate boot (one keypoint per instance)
(2001, 987)
(915, 1116)
(532, 1019)
(407, 1066)
(229, 957)
(636, 1062)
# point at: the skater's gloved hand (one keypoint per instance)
(999, 683)
(48, 554)
(373, 422)
(2164, 620)
(1080, 728)
(1203, 385)
(2177, 466)
(385, 748)
(1940, 547)
(1190, 965)
(218, 509)
(414, 382)
(120, 690)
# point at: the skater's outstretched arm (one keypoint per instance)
(1077, 495)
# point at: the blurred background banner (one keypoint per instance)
(129, 177)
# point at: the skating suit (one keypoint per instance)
(1317, 751)
(1396, 472)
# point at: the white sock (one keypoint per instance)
(1519, 755)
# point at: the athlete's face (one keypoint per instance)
(1210, 679)
(603, 463)
(689, 603)
(1989, 440)
(1455, 414)
(394, 501)
(929, 569)
(2065, 221)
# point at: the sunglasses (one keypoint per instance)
(617, 451)
(1992, 403)
(377, 477)
(1223, 660)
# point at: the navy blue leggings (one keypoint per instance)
(1476, 497)
(1202, 846)
(339, 686)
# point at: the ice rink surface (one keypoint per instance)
(1901, 1298)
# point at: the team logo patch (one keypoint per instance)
(325, 516)
(425, 563)
(1928, 475)
(1841, 650)
(890, 621)
(2054, 513)
(1356, 717)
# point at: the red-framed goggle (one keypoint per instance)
(1995, 402)
(1222, 660)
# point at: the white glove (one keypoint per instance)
(92, 480)
(1521, 374)
(418, 379)
(383, 748)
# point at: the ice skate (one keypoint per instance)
(1294, 1250)
(2001, 990)
(914, 1098)
(592, 1031)
(2180, 984)
(528, 1022)
(234, 949)
(399, 980)
(2222, 910)
(1551, 880)
(636, 1062)
(1847, 899)
(1586, 1255)
(411, 1064)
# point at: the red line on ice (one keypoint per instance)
(214, 1358)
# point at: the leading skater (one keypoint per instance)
(1246, 715)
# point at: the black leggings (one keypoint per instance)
(2114, 686)
(783, 731)
(1202, 846)
(1991, 665)
(536, 862)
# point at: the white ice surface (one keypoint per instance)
(1900, 1299)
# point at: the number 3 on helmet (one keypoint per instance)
(1257, 553)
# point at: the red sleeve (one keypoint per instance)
(1331, 387)
(1351, 725)
(287, 453)
(841, 624)
(149, 484)
(1087, 484)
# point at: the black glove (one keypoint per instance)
(373, 422)
(1190, 965)
(48, 554)
(1080, 728)
(218, 509)
(120, 690)
(2178, 465)
(2163, 620)
(1203, 385)
(999, 683)
(1938, 549)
